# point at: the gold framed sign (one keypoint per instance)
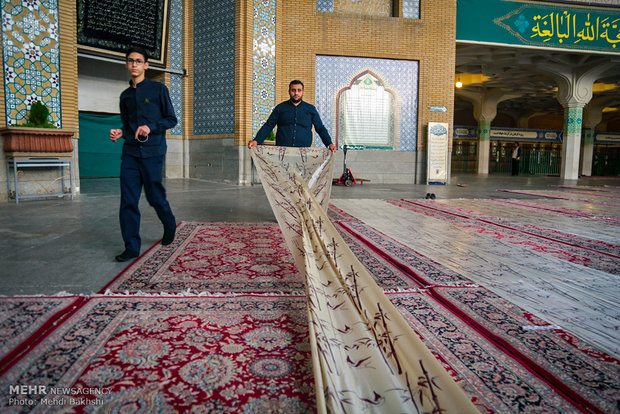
(109, 27)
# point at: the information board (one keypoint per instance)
(109, 27)
(437, 158)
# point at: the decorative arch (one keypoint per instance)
(366, 113)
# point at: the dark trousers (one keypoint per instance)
(137, 173)
(515, 166)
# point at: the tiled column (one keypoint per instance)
(574, 92)
(264, 62)
(569, 169)
(484, 144)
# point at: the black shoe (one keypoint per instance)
(168, 236)
(126, 255)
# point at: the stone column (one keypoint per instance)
(592, 116)
(587, 151)
(485, 110)
(574, 92)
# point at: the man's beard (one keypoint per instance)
(296, 100)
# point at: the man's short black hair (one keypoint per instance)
(296, 82)
(137, 49)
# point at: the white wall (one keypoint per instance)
(100, 84)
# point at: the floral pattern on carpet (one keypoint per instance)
(496, 382)
(238, 258)
(191, 354)
(23, 319)
(590, 373)
(589, 253)
(215, 257)
(425, 270)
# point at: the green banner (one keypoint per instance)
(538, 25)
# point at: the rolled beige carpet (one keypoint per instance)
(366, 358)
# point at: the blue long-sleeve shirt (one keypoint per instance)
(294, 125)
(147, 104)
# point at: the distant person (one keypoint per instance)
(146, 114)
(294, 119)
(516, 156)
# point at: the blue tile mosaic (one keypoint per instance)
(214, 67)
(333, 73)
(30, 57)
(411, 9)
(176, 62)
(326, 6)
(263, 62)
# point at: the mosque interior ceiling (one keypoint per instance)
(524, 74)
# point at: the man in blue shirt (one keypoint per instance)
(294, 119)
(146, 114)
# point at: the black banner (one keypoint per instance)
(111, 26)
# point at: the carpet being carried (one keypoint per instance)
(365, 356)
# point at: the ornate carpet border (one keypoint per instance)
(25, 321)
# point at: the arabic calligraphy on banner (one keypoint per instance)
(109, 27)
(560, 26)
(536, 24)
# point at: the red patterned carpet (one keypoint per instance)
(215, 258)
(242, 345)
(160, 355)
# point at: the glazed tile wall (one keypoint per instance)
(411, 9)
(263, 62)
(334, 73)
(573, 120)
(30, 44)
(214, 67)
(175, 47)
(326, 6)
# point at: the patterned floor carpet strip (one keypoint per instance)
(387, 272)
(580, 372)
(581, 300)
(610, 194)
(496, 381)
(566, 209)
(423, 270)
(504, 217)
(249, 260)
(23, 320)
(572, 367)
(603, 231)
(586, 252)
(562, 195)
(166, 355)
(215, 257)
(336, 215)
(596, 189)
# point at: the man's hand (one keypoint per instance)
(142, 131)
(115, 134)
(332, 147)
(252, 144)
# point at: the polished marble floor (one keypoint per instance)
(59, 245)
